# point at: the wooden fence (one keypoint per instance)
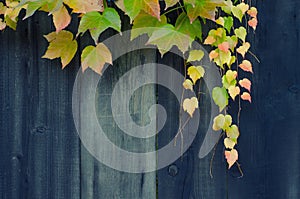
(42, 157)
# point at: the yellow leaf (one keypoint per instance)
(231, 157)
(229, 143)
(196, 72)
(219, 122)
(233, 91)
(84, 6)
(220, 21)
(188, 84)
(61, 18)
(243, 49)
(233, 132)
(209, 40)
(230, 75)
(190, 105)
(243, 7)
(195, 55)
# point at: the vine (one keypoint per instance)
(227, 40)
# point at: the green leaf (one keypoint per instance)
(237, 12)
(166, 37)
(62, 45)
(195, 73)
(228, 23)
(195, 55)
(241, 33)
(95, 57)
(203, 8)
(170, 3)
(220, 97)
(96, 23)
(184, 26)
(142, 23)
(233, 132)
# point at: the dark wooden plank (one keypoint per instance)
(188, 177)
(269, 144)
(42, 149)
(97, 179)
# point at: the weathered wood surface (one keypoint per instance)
(42, 157)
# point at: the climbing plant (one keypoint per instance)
(228, 22)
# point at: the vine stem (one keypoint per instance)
(255, 57)
(173, 9)
(240, 169)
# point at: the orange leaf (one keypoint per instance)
(231, 157)
(209, 40)
(243, 49)
(61, 18)
(246, 66)
(152, 7)
(246, 96)
(245, 83)
(253, 23)
(213, 54)
(252, 12)
(224, 46)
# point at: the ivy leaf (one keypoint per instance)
(213, 54)
(209, 40)
(234, 91)
(253, 23)
(2, 24)
(190, 105)
(195, 55)
(252, 12)
(224, 47)
(170, 3)
(243, 49)
(166, 37)
(220, 97)
(188, 84)
(203, 8)
(143, 21)
(231, 157)
(96, 23)
(241, 33)
(80, 6)
(195, 73)
(219, 122)
(246, 96)
(243, 7)
(233, 132)
(246, 66)
(184, 26)
(230, 76)
(228, 23)
(95, 57)
(61, 18)
(237, 12)
(245, 83)
(61, 45)
(229, 143)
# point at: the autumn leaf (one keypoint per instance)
(209, 40)
(203, 8)
(85, 6)
(166, 37)
(253, 23)
(246, 96)
(195, 55)
(61, 18)
(213, 54)
(195, 73)
(188, 84)
(230, 75)
(233, 91)
(241, 33)
(170, 3)
(233, 132)
(252, 12)
(152, 7)
(243, 7)
(220, 97)
(95, 57)
(190, 105)
(245, 83)
(246, 66)
(237, 12)
(231, 157)
(243, 49)
(61, 45)
(2, 24)
(96, 23)
(229, 143)
(219, 122)
(142, 23)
